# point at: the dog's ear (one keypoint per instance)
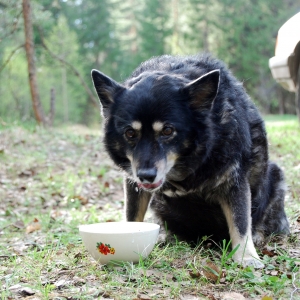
(203, 90)
(106, 89)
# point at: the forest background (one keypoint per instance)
(71, 37)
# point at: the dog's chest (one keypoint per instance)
(207, 188)
(175, 189)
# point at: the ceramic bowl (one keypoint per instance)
(119, 241)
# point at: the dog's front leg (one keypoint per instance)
(237, 211)
(136, 201)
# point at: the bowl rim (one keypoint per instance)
(84, 228)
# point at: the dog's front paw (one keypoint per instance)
(251, 261)
(164, 239)
(259, 239)
(250, 258)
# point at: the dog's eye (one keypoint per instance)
(167, 131)
(130, 133)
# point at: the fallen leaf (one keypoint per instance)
(14, 287)
(26, 291)
(33, 226)
(61, 283)
(179, 263)
(274, 273)
(106, 184)
(78, 255)
(70, 246)
(294, 253)
(18, 224)
(223, 280)
(82, 199)
(101, 293)
(143, 297)
(210, 271)
(194, 274)
(120, 279)
(27, 173)
(232, 296)
(188, 297)
(19, 247)
(78, 280)
(268, 252)
(158, 274)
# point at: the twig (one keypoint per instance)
(10, 56)
(296, 289)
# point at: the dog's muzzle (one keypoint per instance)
(147, 179)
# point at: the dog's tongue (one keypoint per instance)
(150, 186)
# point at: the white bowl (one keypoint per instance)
(119, 241)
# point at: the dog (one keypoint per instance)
(194, 148)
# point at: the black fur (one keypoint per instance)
(218, 148)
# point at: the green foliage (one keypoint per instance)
(116, 36)
(70, 96)
(283, 135)
(15, 102)
(153, 29)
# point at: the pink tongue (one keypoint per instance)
(149, 185)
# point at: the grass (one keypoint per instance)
(53, 180)
(283, 133)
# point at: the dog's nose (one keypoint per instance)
(146, 175)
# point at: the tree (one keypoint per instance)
(29, 46)
(153, 29)
(245, 41)
(202, 22)
(62, 51)
(92, 22)
(70, 37)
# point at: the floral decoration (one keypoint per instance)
(105, 249)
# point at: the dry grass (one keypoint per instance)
(52, 181)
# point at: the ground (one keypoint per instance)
(52, 180)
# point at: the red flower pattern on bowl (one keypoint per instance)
(105, 249)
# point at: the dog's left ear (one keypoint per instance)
(203, 90)
(106, 89)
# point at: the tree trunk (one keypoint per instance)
(29, 46)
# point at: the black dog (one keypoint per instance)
(191, 141)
